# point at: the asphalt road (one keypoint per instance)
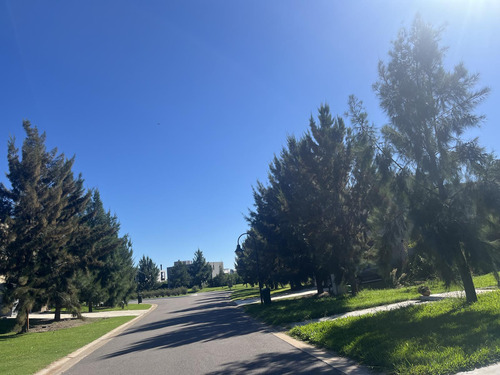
(203, 334)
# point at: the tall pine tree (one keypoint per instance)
(429, 109)
(200, 270)
(45, 207)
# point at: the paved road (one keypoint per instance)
(203, 334)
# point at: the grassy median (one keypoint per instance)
(435, 338)
(28, 353)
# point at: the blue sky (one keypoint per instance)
(175, 108)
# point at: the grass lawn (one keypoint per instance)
(130, 306)
(246, 293)
(435, 338)
(305, 308)
(28, 353)
(300, 309)
(217, 288)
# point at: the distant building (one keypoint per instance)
(162, 276)
(216, 266)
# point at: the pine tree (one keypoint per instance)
(179, 276)
(95, 280)
(120, 274)
(147, 274)
(200, 271)
(429, 110)
(45, 206)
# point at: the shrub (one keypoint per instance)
(164, 292)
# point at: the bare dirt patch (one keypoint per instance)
(50, 325)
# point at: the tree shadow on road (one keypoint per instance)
(205, 306)
(222, 321)
(277, 363)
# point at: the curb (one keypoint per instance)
(340, 365)
(65, 363)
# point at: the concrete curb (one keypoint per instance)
(340, 364)
(63, 364)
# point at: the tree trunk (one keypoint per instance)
(495, 275)
(57, 315)
(466, 276)
(26, 326)
(90, 306)
(354, 286)
(319, 284)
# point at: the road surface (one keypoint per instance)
(200, 334)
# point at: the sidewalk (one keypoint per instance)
(97, 314)
(392, 306)
(243, 302)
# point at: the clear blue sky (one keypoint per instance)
(175, 108)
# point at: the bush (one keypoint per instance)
(424, 290)
(164, 292)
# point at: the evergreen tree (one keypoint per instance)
(120, 274)
(246, 261)
(179, 275)
(200, 271)
(220, 279)
(109, 275)
(429, 110)
(312, 219)
(327, 161)
(147, 274)
(45, 208)
(89, 288)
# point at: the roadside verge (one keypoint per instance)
(71, 359)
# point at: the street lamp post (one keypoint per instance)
(239, 252)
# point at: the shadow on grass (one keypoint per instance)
(311, 307)
(7, 325)
(250, 293)
(449, 334)
(297, 310)
(245, 293)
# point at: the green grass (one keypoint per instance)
(305, 308)
(240, 291)
(253, 292)
(28, 353)
(435, 338)
(299, 309)
(482, 281)
(132, 306)
(217, 288)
